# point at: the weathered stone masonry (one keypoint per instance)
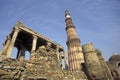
(45, 63)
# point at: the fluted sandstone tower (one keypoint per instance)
(75, 54)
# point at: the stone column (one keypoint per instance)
(58, 53)
(11, 45)
(5, 46)
(33, 46)
(34, 43)
(22, 54)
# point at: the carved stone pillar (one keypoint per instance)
(5, 46)
(11, 45)
(22, 54)
(58, 53)
(34, 43)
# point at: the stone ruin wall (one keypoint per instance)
(45, 61)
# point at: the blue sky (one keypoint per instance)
(96, 21)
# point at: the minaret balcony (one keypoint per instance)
(70, 26)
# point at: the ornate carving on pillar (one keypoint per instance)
(11, 45)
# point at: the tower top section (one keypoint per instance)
(67, 14)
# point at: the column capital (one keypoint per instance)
(17, 29)
(34, 37)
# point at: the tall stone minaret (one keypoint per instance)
(75, 55)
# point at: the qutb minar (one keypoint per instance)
(75, 55)
(47, 57)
